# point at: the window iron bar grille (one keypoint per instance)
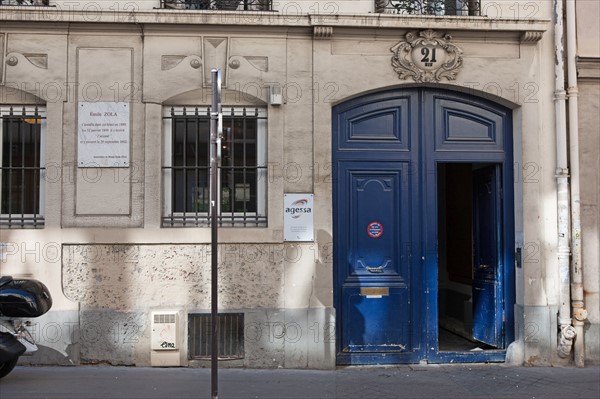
(243, 176)
(429, 7)
(193, 112)
(185, 220)
(230, 334)
(21, 169)
(221, 5)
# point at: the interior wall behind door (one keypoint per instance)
(455, 223)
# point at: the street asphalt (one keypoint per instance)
(427, 381)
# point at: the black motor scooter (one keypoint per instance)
(19, 298)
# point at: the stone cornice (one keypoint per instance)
(256, 18)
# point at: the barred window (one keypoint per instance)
(231, 335)
(21, 171)
(186, 167)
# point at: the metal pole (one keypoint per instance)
(215, 155)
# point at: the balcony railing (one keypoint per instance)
(223, 5)
(407, 7)
(429, 7)
(39, 3)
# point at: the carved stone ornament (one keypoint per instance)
(427, 58)
(322, 32)
(12, 61)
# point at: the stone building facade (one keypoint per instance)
(423, 132)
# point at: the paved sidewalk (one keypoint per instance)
(431, 381)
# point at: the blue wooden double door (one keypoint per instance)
(395, 156)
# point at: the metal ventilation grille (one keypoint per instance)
(164, 318)
(231, 336)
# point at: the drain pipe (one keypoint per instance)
(567, 332)
(579, 312)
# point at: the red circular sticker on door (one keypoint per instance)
(375, 229)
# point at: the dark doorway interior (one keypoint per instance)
(457, 230)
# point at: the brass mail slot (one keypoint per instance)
(375, 291)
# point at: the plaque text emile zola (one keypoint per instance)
(103, 135)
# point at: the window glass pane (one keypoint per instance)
(238, 154)
(204, 143)
(31, 138)
(245, 191)
(191, 143)
(238, 129)
(251, 129)
(251, 154)
(177, 190)
(178, 142)
(228, 127)
(226, 192)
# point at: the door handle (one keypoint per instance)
(375, 269)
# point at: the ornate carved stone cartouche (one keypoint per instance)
(426, 58)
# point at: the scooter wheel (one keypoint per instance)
(7, 367)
